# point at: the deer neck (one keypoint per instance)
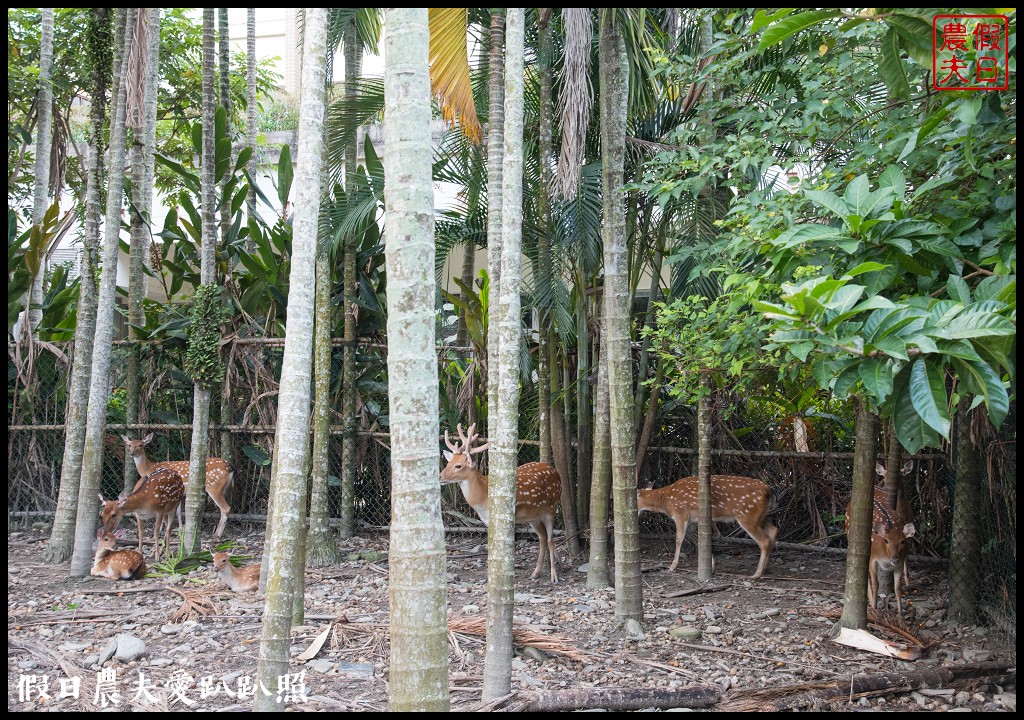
(652, 500)
(101, 552)
(143, 465)
(474, 489)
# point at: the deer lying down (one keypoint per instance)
(116, 564)
(238, 579)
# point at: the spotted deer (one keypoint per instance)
(157, 495)
(889, 547)
(219, 475)
(238, 579)
(116, 564)
(902, 504)
(733, 498)
(538, 491)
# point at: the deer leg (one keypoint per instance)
(680, 535)
(138, 524)
(897, 582)
(872, 584)
(549, 525)
(224, 510)
(538, 527)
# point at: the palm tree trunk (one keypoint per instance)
(195, 493)
(855, 591)
(543, 271)
(506, 318)
(250, 93)
(614, 78)
(44, 141)
(348, 371)
(142, 152)
(583, 446)
(705, 531)
(291, 443)
(965, 579)
(92, 454)
(495, 147)
(417, 589)
(601, 484)
(63, 535)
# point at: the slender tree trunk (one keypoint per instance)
(63, 535)
(351, 292)
(417, 588)
(44, 143)
(224, 100)
(92, 454)
(705, 560)
(644, 443)
(250, 93)
(965, 580)
(601, 485)
(291, 443)
(584, 442)
(559, 435)
(321, 548)
(506, 318)
(562, 414)
(495, 146)
(893, 481)
(195, 492)
(543, 270)
(142, 154)
(645, 347)
(468, 271)
(855, 592)
(614, 78)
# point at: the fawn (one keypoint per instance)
(902, 504)
(889, 547)
(220, 474)
(157, 495)
(238, 579)
(733, 497)
(116, 564)
(538, 491)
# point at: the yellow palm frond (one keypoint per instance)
(449, 70)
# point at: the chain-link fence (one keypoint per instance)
(962, 501)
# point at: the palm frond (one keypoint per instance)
(449, 70)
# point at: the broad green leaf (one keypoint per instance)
(793, 24)
(858, 195)
(285, 173)
(928, 393)
(806, 234)
(958, 289)
(197, 138)
(890, 66)
(893, 347)
(958, 349)
(932, 183)
(980, 379)
(244, 155)
(876, 375)
(911, 429)
(979, 325)
(845, 381)
(865, 267)
(892, 177)
(761, 19)
(829, 201)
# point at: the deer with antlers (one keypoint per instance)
(538, 491)
(220, 474)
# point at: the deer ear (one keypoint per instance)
(99, 533)
(119, 534)
(126, 440)
(148, 439)
(908, 530)
(447, 455)
(102, 501)
(879, 469)
(908, 467)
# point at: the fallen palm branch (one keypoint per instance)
(792, 697)
(542, 640)
(195, 604)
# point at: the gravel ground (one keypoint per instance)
(745, 636)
